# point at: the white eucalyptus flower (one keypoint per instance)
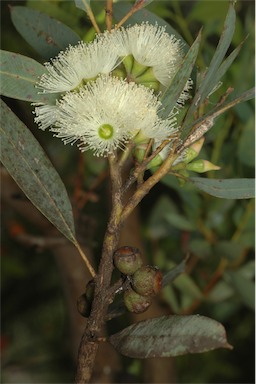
(46, 115)
(104, 114)
(150, 46)
(76, 65)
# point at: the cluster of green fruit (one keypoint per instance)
(145, 281)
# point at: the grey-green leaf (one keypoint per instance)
(170, 336)
(216, 70)
(224, 43)
(174, 272)
(19, 74)
(45, 34)
(29, 166)
(83, 4)
(226, 189)
(244, 287)
(142, 3)
(172, 93)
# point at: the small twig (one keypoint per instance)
(39, 241)
(109, 14)
(92, 18)
(87, 262)
(133, 10)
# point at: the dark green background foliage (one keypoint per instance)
(218, 233)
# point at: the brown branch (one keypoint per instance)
(92, 18)
(109, 14)
(89, 343)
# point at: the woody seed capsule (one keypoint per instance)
(147, 280)
(127, 259)
(136, 303)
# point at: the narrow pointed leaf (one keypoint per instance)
(171, 95)
(227, 63)
(211, 79)
(226, 189)
(221, 50)
(19, 74)
(173, 273)
(29, 166)
(244, 287)
(170, 336)
(46, 35)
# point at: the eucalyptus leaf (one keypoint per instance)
(225, 40)
(227, 63)
(173, 273)
(46, 35)
(221, 291)
(230, 250)
(19, 75)
(246, 146)
(221, 50)
(83, 4)
(142, 3)
(244, 287)
(214, 72)
(29, 166)
(179, 221)
(170, 336)
(172, 93)
(187, 286)
(226, 189)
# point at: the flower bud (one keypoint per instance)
(193, 151)
(201, 166)
(136, 303)
(127, 259)
(147, 280)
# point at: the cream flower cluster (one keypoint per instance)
(107, 91)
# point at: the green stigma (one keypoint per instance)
(106, 131)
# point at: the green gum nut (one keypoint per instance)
(155, 162)
(151, 84)
(147, 281)
(135, 302)
(179, 166)
(127, 259)
(120, 73)
(139, 154)
(148, 79)
(128, 63)
(138, 69)
(201, 166)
